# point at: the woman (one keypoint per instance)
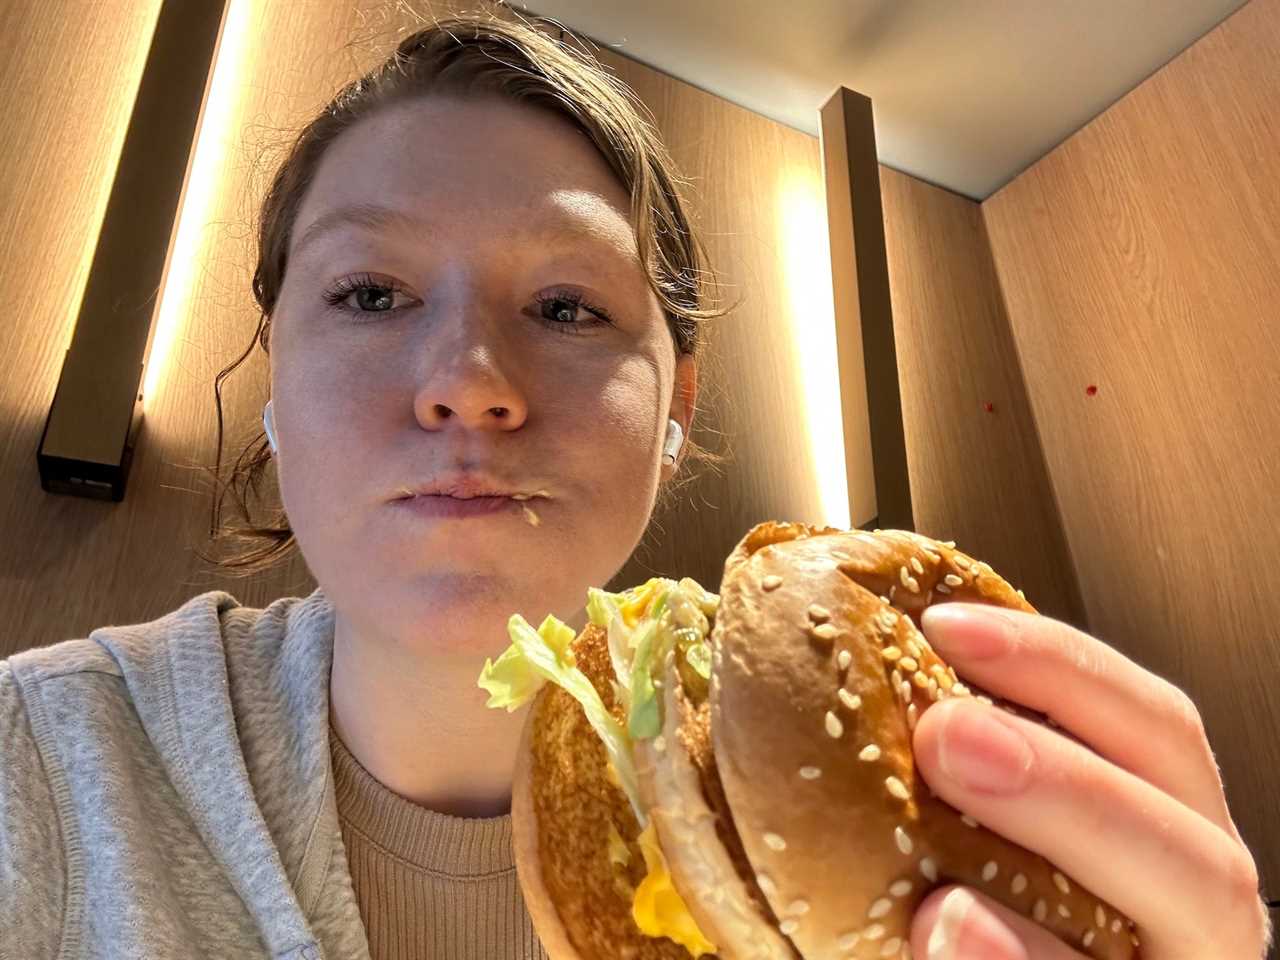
(519, 316)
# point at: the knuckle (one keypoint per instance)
(1186, 712)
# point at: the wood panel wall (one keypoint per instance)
(1140, 256)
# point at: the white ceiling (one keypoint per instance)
(966, 94)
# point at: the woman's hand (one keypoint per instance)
(1134, 811)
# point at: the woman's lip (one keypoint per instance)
(439, 505)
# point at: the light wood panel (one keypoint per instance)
(1140, 256)
(978, 476)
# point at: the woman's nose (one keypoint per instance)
(478, 398)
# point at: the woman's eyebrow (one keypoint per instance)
(380, 219)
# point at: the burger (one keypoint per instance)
(731, 775)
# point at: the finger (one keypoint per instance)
(974, 925)
(1130, 716)
(1190, 889)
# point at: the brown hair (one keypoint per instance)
(467, 55)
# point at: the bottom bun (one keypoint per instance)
(524, 839)
(570, 821)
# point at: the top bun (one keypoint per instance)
(819, 675)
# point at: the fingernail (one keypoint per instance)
(969, 631)
(981, 752)
(967, 930)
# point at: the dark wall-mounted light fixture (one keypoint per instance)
(95, 419)
(875, 446)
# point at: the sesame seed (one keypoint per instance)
(1019, 884)
(968, 821)
(913, 648)
(659, 743)
(844, 658)
(1061, 882)
(933, 557)
(951, 580)
(799, 907)
(904, 691)
(869, 752)
(989, 871)
(825, 631)
(1088, 938)
(916, 565)
(891, 589)
(851, 700)
(765, 884)
(1063, 911)
(771, 582)
(960, 561)
(897, 788)
(1022, 595)
(885, 600)
(912, 717)
(774, 842)
(904, 842)
(834, 726)
(1040, 911)
(874, 932)
(908, 581)
(891, 653)
(959, 689)
(788, 927)
(908, 664)
(985, 699)
(929, 869)
(891, 947)
(900, 888)
(848, 941)
(1100, 916)
(942, 588)
(819, 613)
(920, 680)
(949, 543)
(880, 908)
(810, 773)
(1115, 925)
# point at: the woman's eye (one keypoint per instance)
(372, 295)
(556, 310)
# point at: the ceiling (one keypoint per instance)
(966, 95)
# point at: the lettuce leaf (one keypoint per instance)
(538, 656)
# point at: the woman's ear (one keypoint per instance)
(686, 393)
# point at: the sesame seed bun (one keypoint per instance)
(784, 796)
(815, 757)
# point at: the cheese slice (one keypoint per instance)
(658, 909)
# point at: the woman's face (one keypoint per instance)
(438, 359)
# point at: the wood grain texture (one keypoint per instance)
(1140, 256)
(977, 477)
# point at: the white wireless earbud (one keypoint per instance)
(675, 439)
(266, 423)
